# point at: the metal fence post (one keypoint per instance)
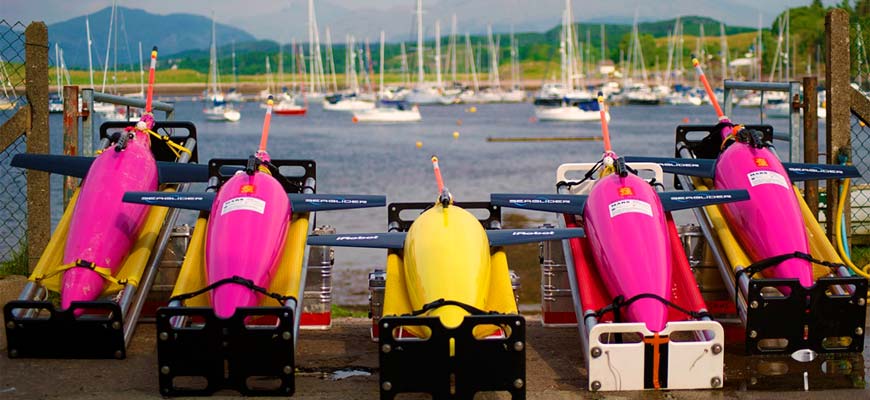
(811, 140)
(794, 121)
(38, 193)
(87, 147)
(70, 136)
(837, 123)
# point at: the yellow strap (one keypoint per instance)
(104, 272)
(175, 147)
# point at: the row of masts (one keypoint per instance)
(320, 74)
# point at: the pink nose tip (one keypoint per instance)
(227, 298)
(651, 312)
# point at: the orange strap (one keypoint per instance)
(656, 341)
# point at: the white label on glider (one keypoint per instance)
(243, 203)
(764, 177)
(630, 206)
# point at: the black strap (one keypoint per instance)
(766, 263)
(238, 280)
(620, 302)
(441, 303)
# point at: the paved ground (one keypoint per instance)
(553, 371)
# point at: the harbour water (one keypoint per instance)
(384, 159)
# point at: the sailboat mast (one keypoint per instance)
(331, 60)
(758, 53)
(59, 88)
(453, 48)
(370, 73)
(438, 52)
(724, 49)
(311, 44)
(213, 58)
(141, 72)
(603, 47)
(319, 79)
(294, 50)
(235, 78)
(406, 80)
(90, 57)
(672, 38)
(281, 63)
(563, 50)
(108, 46)
(381, 66)
(569, 45)
(270, 83)
(785, 59)
(514, 61)
(420, 76)
(470, 61)
(115, 53)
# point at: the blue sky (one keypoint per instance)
(281, 20)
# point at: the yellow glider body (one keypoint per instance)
(447, 256)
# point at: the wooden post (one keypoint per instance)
(811, 140)
(70, 136)
(38, 193)
(837, 124)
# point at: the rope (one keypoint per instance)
(620, 302)
(238, 280)
(104, 272)
(441, 303)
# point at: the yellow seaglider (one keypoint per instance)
(447, 255)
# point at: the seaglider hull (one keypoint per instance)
(102, 227)
(246, 232)
(443, 244)
(627, 232)
(770, 223)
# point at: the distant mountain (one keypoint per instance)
(172, 33)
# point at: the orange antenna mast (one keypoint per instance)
(707, 88)
(150, 95)
(264, 138)
(438, 178)
(604, 131)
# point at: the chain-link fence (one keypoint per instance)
(13, 181)
(861, 186)
(860, 196)
(13, 211)
(11, 68)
